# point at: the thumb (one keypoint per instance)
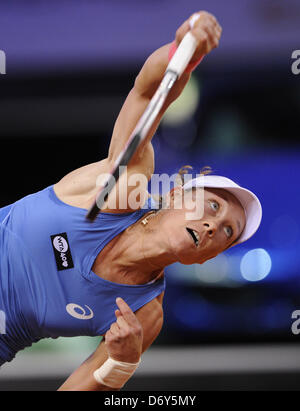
(118, 313)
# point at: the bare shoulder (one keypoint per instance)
(78, 188)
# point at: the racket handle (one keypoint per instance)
(123, 160)
(93, 212)
(183, 54)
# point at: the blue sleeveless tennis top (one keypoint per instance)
(47, 287)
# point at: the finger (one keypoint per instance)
(107, 337)
(126, 312)
(218, 27)
(117, 313)
(207, 21)
(218, 35)
(213, 39)
(218, 30)
(207, 25)
(207, 39)
(123, 325)
(114, 329)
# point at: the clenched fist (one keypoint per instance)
(124, 339)
(206, 31)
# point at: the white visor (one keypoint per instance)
(248, 200)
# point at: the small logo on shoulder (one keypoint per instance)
(62, 251)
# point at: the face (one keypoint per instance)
(196, 241)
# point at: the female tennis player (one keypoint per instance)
(62, 275)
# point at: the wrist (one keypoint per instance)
(115, 374)
(129, 359)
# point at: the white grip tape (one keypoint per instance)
(114, 373)
(193, 20)
(183, 54)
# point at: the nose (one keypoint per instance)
(210, 228)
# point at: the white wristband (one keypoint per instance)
(114, 373)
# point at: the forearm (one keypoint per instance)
(145, 86)
(206, 32)
(82, 379)
(152, 73)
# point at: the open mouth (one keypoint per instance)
(194, 235)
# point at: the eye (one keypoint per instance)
(228, 231)
(214, 205)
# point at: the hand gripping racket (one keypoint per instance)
(176, 67)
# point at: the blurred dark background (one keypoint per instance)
(69, 68)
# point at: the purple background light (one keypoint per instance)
(50, 35)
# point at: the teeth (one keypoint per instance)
(196, 235)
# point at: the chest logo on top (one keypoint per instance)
(79, 312)
(62, 251)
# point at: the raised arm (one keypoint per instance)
(124, 345)
(79, 187)
(207, 33)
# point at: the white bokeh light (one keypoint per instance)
(256, 264)
(185, 106)
(212, 271)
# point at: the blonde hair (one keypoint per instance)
(179, 180)
(185, 169)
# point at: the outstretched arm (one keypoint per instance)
(79, 188)
(122, 343)
(207, 33)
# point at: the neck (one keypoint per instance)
(142, 252)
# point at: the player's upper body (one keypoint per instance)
(75, 266)
(47, 284)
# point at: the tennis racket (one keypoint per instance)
(175, 68)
